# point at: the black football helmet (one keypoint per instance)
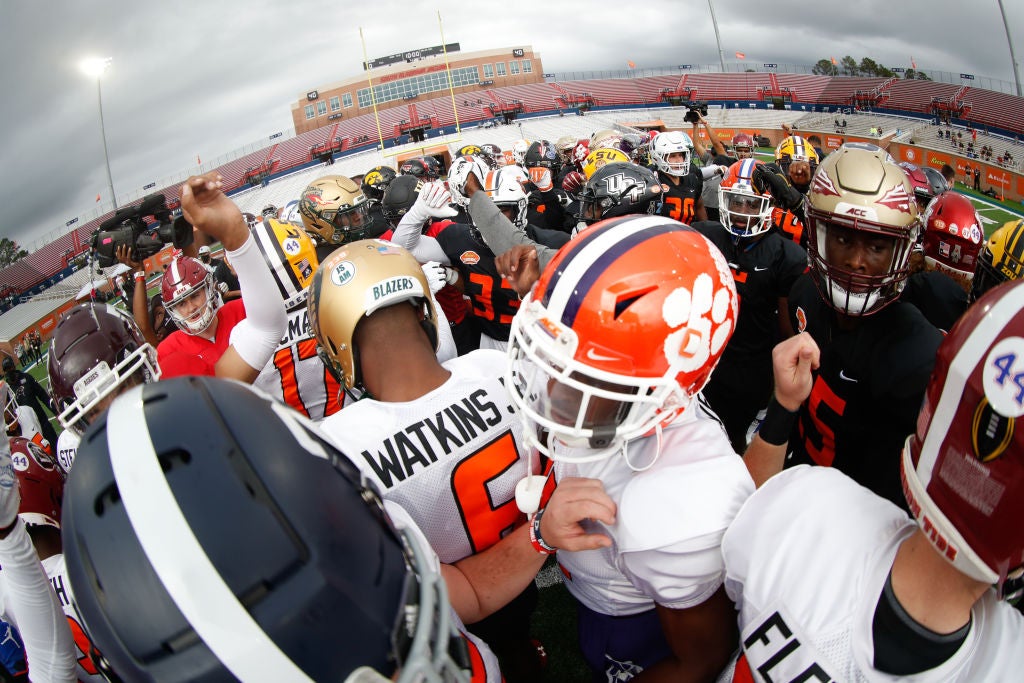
(95, 351)
(376, 181)
(206, 555)
(399, 197)
(617, 189)
(542, 154)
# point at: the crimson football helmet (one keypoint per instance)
(743, 210)
(183, 282)
(199, 554)
(579, 154)
(622, 329)
(743, 145)
(96, 350)
(671, 144)
(41, 483)
(860, 190)
(963, 467)
(926, 181)
(953, 237)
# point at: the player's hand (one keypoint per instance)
(438, 275)
(574, 500)
(435, 200)
(10, 494)
(783, 194)
(541, 178)
(794, 361)
(207, 208)
(520, 267)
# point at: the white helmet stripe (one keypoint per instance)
(585, 258)
(185, 570)
(966, 359)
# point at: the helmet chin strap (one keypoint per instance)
(657, 452)
(530, 487)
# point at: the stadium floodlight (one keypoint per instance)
(95, 67)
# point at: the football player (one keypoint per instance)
(927, 601)
(764, 265)
(876, 351)
(798, 162)
(41, 482)
(29, 392)
(27, 597)
(942, 270)
(234, 340)
(438, 438)
(618, 189)
(608, 353)
(334, 211)
(20, 420)
(375, 182)
(671, 153)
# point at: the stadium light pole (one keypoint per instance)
(1009, 41)
(95, 66)
(718, 38)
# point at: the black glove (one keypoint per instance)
(783, 194)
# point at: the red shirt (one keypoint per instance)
(188, 354)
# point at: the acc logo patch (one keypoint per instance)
(343, 273)
(470, 258)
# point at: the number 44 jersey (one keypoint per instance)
(451, 458)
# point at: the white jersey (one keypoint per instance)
(484, 663)
(670, 519)
(67, 449)
(295, 375)
(451, 457)
(806, 560)
(57, 572)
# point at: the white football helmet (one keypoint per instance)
(519, 149)
(667, 144)
(505, 188)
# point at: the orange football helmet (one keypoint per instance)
(619, 333)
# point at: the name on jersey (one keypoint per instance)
(778, 653)
(298, 328)
(420, 444)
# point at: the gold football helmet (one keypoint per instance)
(291, 255)
(602, 157)
(334, 209)
(1001, 259)
(355, 281)
(858, 189)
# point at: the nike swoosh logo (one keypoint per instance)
(842, 375)
(598, 357)
(758, 270)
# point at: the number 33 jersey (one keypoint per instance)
(451, 458)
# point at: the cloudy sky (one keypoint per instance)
(195, 78)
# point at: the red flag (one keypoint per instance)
(913, 63)
(740, 55)
(834, 62)
(631, 64)
(199, 162)
(97, 197)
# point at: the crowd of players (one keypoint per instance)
(762, 413)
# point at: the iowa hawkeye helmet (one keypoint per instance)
(1001, 259)
(622, 329)
(963, 467)
(202, 555)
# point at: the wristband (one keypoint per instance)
(777, 424)
(140, 275)
(535, 538)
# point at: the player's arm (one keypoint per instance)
(716, 144)
(699, 212)
(702, 638)
(433, 201)
(480, 584)
(255, 339)
(794, 361)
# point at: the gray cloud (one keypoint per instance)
(194, 78)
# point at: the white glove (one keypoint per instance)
(459, 173)
(10, 494)
(437, 200)
(438, 275)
